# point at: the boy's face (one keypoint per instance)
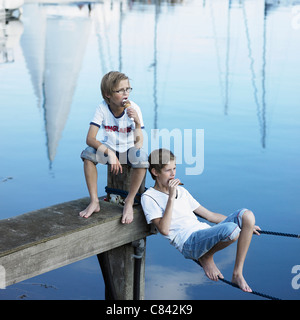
(167, 173)
(117, 97)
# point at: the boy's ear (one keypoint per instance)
(154, 172)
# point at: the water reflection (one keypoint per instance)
(257, 48)
(55, 38)
(230, 67)
(175, 283)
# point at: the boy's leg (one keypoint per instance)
(205, 243)
(137, 177)
(138, 160)
(90, 172)
(207, 261)
(248, 221)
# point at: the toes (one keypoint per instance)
(82, 213)
(241, 283)
(126, 220)
(127, 214)
(88, 214)
(89, 210)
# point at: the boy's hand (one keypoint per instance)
(173, 183)
(256, 230)
(115, 165)
(133, 115)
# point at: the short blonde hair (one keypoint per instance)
(158, 159)
(109, 83)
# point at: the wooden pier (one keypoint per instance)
(39, 241)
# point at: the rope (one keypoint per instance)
(121, 193)
(116, 191)
(236, 286)
(253, 292)
(292, 235)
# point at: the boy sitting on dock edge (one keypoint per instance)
(121, 123)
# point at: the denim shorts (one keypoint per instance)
(136, 158)
(202, 241)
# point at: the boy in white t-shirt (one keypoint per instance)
(120, 143)
(172, 210)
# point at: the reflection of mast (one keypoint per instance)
(100, 39)
(227, 60)
(155, 65)
(261, 109)
(264, 124)
(120, 36)
(224, 91)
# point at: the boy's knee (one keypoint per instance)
(248, 218)
(89, 154)
(89, 163)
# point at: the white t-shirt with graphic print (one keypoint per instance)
(183, 222)
(116, 132)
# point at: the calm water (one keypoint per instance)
(232, 70)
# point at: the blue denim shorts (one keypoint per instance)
(202, 241)
(136, 158)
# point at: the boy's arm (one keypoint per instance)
(138, 137)
(163, 224)
(91, 137)
(138, 132)
(92, 141)
(209, 215)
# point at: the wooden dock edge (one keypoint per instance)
(46, 239)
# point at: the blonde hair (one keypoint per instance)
(158, 159)
(109, 83)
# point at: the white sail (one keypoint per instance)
(33, 45)
(66, 41)
(53, 44)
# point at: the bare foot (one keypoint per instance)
(209, 267)
(127, 212)
(241, 282)
(90, 209)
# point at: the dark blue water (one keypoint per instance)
(229, 69)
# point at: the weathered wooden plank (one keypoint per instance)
(46, 239)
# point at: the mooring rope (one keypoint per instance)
(292, 235)
(236, 286)
(253, 292)
(121, 193)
